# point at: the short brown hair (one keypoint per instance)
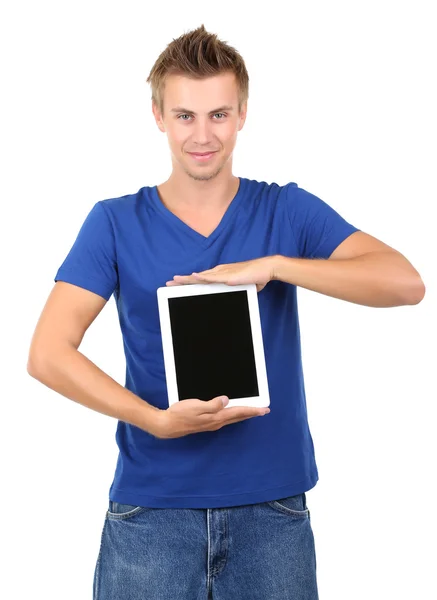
(198, 54)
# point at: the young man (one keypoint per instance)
(206, 501)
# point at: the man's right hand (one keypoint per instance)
(192, 416)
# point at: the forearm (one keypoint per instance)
(378, 279)
(72, 374)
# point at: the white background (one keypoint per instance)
(342, 101)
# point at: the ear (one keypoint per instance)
(242, 116)
(158, 117)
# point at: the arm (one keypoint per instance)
(326, 254)
(361, 269)
(55, 361)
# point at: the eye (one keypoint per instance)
(186, 115)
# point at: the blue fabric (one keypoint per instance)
(130, 246)
(258, 551)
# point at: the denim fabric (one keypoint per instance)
(260, 551)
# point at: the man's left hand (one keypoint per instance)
(259, 271)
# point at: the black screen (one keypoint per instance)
(213, 347)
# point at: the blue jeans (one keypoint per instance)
(260, 551)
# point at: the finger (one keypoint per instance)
(209, 273)
(210, 277)
(184, 279)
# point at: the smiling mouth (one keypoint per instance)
(202, 155)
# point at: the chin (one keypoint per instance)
(203, 176)
(201, 171)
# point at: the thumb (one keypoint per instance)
(218, 403)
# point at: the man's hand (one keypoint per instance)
(259, 271)
(194, 415)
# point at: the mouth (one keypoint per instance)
(202, 156)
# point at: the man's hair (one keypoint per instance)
(198, 55)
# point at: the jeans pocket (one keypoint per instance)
(294, 506)
(118, 511)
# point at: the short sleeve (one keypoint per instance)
(91, 262)
(317, 228)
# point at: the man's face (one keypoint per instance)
(201, 116)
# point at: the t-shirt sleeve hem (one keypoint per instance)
(334, 239)
(83, 281)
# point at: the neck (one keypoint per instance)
(198, 196)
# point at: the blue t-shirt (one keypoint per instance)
(130, 246)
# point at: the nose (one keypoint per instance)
(202, 133)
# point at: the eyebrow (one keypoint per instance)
(185, 110)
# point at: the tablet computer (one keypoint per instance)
(212, 343)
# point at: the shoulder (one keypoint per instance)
(299, 199)
(123, 206)
(270, 191)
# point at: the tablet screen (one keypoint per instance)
(213, 346)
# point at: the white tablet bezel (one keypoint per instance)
(163, 293)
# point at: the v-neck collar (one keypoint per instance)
(205, 241)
